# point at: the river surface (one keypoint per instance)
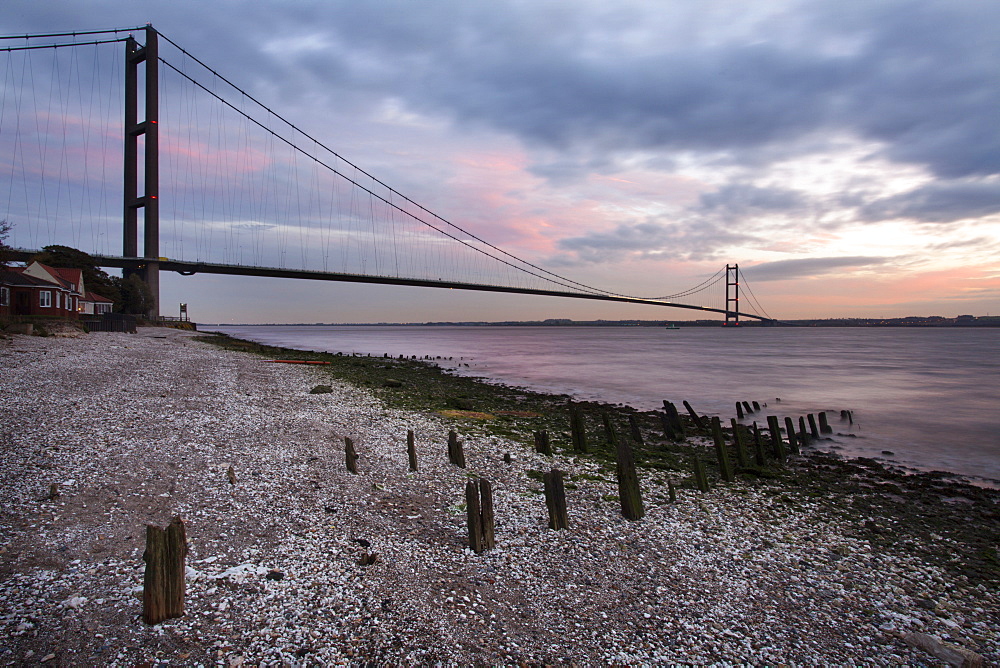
(930, 397)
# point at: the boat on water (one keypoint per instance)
(671, 326)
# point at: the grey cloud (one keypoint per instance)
(939, 202)
(788, 269)
(649, 240)
(738, 199)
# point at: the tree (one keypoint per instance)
(135, 297)
(94, 278)
(5, 229)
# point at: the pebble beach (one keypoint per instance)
(292, 560)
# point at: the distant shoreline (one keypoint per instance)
(908, 322)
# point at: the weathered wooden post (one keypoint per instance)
(555, 499)
(803, 433)
(700, 478)
(746, 407)
(739, 411)
(411, 449)
(350, 455)
(671, 491)
(231, 475)
(542, 445)
(694, 416)
(668, 429)
(741, 449)
(628, 483)
(479, 512)
(456, 453)
(725, 468)
(756, 407)
(163, 580)
(610, 433)
(776, 443)
(793, 442)
(824, 426)
(675, 418)
(758, 446)
(812, 425)
(578, 429)
(474, 516)
(633, 425)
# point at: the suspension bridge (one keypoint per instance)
(103, 130)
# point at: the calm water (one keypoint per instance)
(930, 396)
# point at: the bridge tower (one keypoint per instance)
(733, 301)
(149, 130)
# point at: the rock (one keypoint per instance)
(950, 654)
(25, 328)
(367, 559)
(321, 389)
(274, 575)
(361, 541)
(392, 382)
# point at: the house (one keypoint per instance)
(94, 304)
(40, 290)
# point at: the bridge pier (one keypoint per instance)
(149, 202)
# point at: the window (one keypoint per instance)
(45, 298)
(4, 296)
(58, 300)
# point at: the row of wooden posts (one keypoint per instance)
(163, 582)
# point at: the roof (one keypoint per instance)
(15, 276)
(69, 278)
(96, 298)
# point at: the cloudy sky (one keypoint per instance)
(846, 154)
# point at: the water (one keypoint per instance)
(930, 396)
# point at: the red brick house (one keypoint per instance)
(40, 290)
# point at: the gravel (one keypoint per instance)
(137, 429)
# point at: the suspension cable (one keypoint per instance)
(60, 46)
(562, 280)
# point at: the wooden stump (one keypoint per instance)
(628, 483)
(675, 419)
(813, 430)
(474, 516)
(824, 426)
(555, 499)
(163, 581)
(725, 467)
(698, 422)
(803, 433)
(739, 411)
(456, 452)
(756, 407)
(610, 433)
(671, 491)
(479, 512)
(411, 449)
(741, 449)
(746, 407)
(776, 442)
(578, 429)
(700, 478)
(231, 475)
(668, 429)
(758, 446)
(633, 426)
(542, 443)
(351, 455)
(793, 442)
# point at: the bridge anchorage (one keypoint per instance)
(361, 229)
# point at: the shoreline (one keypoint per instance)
(864, 554)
